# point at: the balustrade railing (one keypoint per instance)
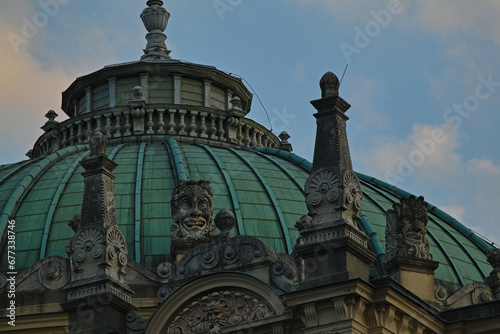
(207, 125)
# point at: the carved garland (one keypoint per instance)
(216, 310)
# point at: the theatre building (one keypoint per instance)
(158, 206)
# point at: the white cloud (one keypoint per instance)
(482, 166)
(363, 93)
(427, 153)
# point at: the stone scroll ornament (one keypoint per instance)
(192, 211)
(406, 229)
(213, 311)
(333, 195)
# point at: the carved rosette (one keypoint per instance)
(406, 230)
(329, 192)
(352, 195)
(219, 309)
(321, 187)
(116, 250)
(88, 249)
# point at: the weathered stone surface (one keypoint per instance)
(473, 293)
(97, 251)
(406, 230)
(331, 245)
(155, 19)
(192, 211)
(219, 309)
(493, 280)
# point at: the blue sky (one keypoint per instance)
(423, 78)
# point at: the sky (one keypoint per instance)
(422, 78)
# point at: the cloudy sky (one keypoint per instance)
(423, 78)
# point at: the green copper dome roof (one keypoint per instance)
(263, 186)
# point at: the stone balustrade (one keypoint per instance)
(155, 122)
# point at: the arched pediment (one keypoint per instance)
(214, 301)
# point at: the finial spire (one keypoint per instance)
(155, 19)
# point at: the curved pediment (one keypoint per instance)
(215, 301)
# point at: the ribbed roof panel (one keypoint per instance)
(263, 186)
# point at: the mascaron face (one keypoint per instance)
(195, 210)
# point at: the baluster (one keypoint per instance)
(98, 126)
(213, 128)
(203, 127)
(150, 130)
(127, 126)
(72, 135)
(88, 123)
(182, 125)
(246, 139)
(193, 126)
(239, 136)
(171, 124)
(259, 139)
(65, 140)
(221, 129)
(117, 125)
(108, 126)
(161, 123)
(254, 138)
(79, 134)
(265, 141)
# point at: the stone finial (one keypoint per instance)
(29, 154)
(225, 220)
(98, 145)
(51, 116)
(192, 211)
(284, 136)
(236, 102)
(284, 144)
(406, 230)
(155, 19)
(329, 85)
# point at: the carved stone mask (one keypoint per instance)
(192, 210)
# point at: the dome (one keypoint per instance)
(110, 219)
(263, 186)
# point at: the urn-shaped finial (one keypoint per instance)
(155, 19)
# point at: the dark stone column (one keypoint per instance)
(98, 298)
(331, 245)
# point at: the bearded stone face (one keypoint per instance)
(192, 210)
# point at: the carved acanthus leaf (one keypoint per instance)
(214, 311)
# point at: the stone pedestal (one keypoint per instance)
(333, 253)
(97, 307)
(415, 274)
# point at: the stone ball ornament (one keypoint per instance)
(225, 220)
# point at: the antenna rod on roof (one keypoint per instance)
(345, 69)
